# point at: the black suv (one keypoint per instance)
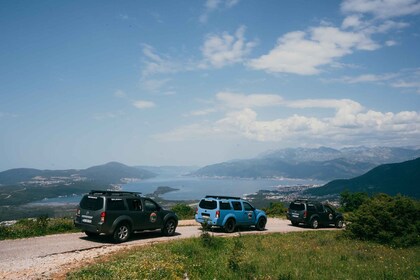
(313, 214)
(118, 214)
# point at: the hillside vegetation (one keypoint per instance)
(403, 178)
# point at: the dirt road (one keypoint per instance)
(43, 257)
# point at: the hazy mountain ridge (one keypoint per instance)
(110, 173)
(394, 178)
(316, 163)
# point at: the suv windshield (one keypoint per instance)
(297, 206)
(208, 204)
(91, 203)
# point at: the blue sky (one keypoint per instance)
(199, 82)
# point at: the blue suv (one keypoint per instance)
(229, 212)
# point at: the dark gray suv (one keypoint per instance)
(313, 214)
(118, 214)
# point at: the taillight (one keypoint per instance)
(196, 210)
(103, 214)
(77, 212)
(305, 214)
(217, 214)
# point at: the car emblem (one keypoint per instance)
(87, 212)
(153, 217)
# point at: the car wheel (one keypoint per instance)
(261, 223)
(91, 234)
(230, 226)
(314, 223)
(339, 223)
(169, 227)
(122, 233)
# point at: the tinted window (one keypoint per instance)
(208, 204)
(237, 205)
(225, 205)
(311, 208)
(134, 204)
(91, 203)
(150, 205)
(115, 204)
(319, 207)
(247, 206)
(297, 206)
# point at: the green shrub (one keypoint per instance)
(276, 209)
(388, 220)
(183, 211)
(351, 201)
(36, 227)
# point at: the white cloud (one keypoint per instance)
(143, 104)
(158, 64)
(120, 94)
(349, 121)
(202, 112)
(212, 5)
(226, 49)
(304, 53)
(382, 8)
(235, 100)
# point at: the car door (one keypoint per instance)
(135, 211)
(249, 214)
(322, 213)
(330, 214)
(152, 215)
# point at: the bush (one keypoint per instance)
(352, 201)
(183, 211)
(388, 220)
(276, 209)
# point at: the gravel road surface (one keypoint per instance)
(48, 257)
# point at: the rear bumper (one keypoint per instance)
(202, 220)
(92, 228)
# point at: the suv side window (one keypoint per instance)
(237, 206)
(248, 207)
(150, 205)
(311, 208)
(115, 204)
(319, 208)
(225, 205)
(134, 204)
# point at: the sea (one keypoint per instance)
(194, 188)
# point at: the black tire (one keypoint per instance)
(314, 223)
(339, 223)
(91, 234)
(230, 226)
(169, 227)
(295, 224)
(261, 224)
(122, 233)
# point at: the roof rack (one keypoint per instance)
(222, 197)
(114, 193)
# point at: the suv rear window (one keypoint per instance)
(297, 206)
(208, 204)
(92, 203)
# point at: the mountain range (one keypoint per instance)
(109, 173)
(394, 178)
(311, 163)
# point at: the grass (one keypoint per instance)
(308, 255)
(37, 227)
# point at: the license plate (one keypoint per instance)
(86, 221)
(295, 215)
(205, 215)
